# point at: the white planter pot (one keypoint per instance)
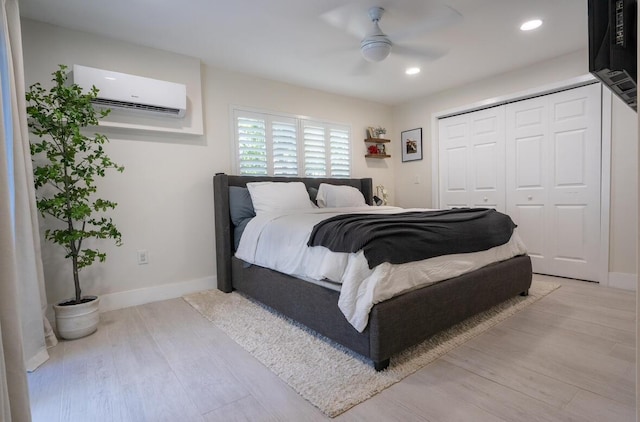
(76, 321)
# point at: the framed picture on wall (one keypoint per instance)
(411, 145)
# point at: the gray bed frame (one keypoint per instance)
(394, 324)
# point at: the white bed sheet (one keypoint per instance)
(279, 241)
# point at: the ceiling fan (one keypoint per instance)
(376, 46)
(412, 19)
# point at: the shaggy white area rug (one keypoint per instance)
(326, 374)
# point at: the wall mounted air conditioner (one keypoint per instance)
(130, 92)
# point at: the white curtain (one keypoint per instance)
(37, 333)
(24, 332)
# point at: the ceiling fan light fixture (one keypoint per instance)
(531, 25)
(375, 48)
(412, 71)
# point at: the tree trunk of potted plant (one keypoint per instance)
(67, 163)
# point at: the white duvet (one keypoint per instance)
(279, 241)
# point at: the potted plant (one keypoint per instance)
(67, 163)
(380, 131)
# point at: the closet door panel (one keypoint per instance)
(530, 219)
(471, 160)
(571, 246)
(574, 188)
(527, 175)
(456, 161)
(453, 161)
(486, 164)
(528, 157)
(553, 165)
(570, 156)
(485, 178)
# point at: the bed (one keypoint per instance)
(394, 324)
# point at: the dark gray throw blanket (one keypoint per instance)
(413, 236)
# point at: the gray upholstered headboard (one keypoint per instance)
(224, 227)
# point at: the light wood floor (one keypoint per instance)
(568, 357)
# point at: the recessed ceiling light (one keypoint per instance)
(412, 70)
(529, 25)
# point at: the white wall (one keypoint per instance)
(418, 113)
(624, 191)
(165, 194)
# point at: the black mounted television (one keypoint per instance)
(612, 46)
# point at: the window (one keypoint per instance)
(277, 145)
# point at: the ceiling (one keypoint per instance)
(315, 43)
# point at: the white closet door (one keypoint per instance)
(486, 163)
(471, 159)
(527, 175)
(453, 147)
(553, 179)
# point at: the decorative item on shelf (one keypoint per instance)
(376, 132)
(68, 166)
(373, 149)
(381, 149)
(379, 132)
(381, 195)
(411, 145)
(371, 132)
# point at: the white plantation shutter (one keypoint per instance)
(285, 147)
(252, 145)
(340, 159)
(276, 145)
(315, 151)
(327, 151)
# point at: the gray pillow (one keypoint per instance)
(313, 193)
(240, 205)
(241, 210)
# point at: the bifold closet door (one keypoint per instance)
(471, 155)
(553, 147)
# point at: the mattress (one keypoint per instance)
(279, 241)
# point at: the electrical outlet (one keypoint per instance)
(143, 257)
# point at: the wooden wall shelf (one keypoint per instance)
(381, 149)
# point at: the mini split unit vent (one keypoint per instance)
(130, 92)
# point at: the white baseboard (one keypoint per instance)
(119, 300)
(623, 281)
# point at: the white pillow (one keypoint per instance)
(334, 196)
(278, 196)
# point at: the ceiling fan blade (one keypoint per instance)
(362, 68)
(351, 18)
(441, 17)
(419, 53)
